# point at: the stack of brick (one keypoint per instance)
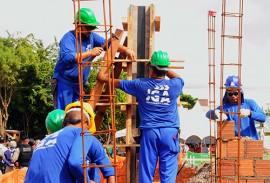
(240, 158)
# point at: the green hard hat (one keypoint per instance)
(87, 17)
(160, 58)
(54, 120)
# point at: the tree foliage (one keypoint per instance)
(187, 101)
(28, 66)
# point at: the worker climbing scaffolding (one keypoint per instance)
(66, 73)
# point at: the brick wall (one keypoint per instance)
(243, 157)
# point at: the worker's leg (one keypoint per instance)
(65, 95)
(169, 149)
(148, 156)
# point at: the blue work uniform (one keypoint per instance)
(159, 124)
(247, 126)
(66, 69)
(59, 156)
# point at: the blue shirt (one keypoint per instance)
(157, 100)
(58, 157)
(247, 126)
(66, 69)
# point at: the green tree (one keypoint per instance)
(31, 99)
(187, 101)
(267, 111)
(10, 66)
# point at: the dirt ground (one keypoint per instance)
(202, 174)
(191, 174)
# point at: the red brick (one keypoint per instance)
(221, 149)
(229, 149)
(246, 167)
(255, 180)
(262, 167)
(232, 149)
(226, 129)
(235, 180)
(227, 167)
(231, 180)
(254, 148)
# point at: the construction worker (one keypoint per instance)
(59, 156)
(159, 120)
(54, 120)
(25, 152)
(66, 82)
(249, 110)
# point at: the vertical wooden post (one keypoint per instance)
(141, 28)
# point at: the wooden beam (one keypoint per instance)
(125, 24)
(97, 90)
(101, 110)
(157, 24)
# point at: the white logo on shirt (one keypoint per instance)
(49, 141)
(159, 95)
(88, 47)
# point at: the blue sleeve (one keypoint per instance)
(95, 152)
(256, 112)
(67, 45)
(179, 82)
(98, 40)
(99, 157)
(129, 86)
(7, 156)
(211, 114)
(75, 159)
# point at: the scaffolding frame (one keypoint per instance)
(108, 65)
(212, 83)
(226, 39)
(102, 96)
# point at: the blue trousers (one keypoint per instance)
(162, 144)
(65, 95)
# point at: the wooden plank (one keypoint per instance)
(147, 33)
(128, 141)
(157, 24)
(131, 36)
(125, 23)
(101, 110)
(151, 30)
(97, 90)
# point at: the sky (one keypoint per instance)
(183, 34)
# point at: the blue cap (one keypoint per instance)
(232, 82)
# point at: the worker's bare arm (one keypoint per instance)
(111, 179)
(129, 52)
(171, 74)
(94, 52)
(104, 77)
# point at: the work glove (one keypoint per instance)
(244, 113)
(224, 116)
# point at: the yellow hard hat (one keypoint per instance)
(88, 108)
